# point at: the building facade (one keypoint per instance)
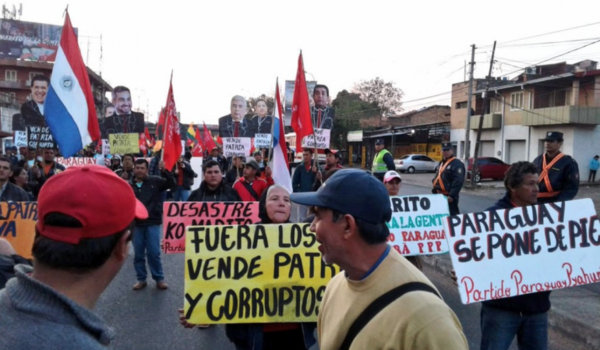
(557, 97)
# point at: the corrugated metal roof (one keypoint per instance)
(530, 82)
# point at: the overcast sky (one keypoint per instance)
(218, 49)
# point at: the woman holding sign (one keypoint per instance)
(275, 208)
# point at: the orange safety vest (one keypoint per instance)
(544, 177)
(438, 179)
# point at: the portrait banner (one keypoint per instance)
(237, 146)
(76, 161)
(417, 224)
(20, 138)
(262, 140)
(253, 274)
(511, 252)
(323, 139)
(124, 143)
(178, 216)
(17, 225)
(40, 137)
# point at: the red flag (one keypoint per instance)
(161, 122)
(172, 140)
(209, 143)
(199, 146)
(148, 138)
(142, 143)
(301, 121)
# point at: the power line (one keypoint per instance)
(544, 34)
(557, 56)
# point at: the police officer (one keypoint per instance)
(559, 173)
(449, 178)
(383, 160)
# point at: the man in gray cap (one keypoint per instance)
(383, 160)
(559, 173)
(449, 178)
(379, 300)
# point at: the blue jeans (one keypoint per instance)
(146, 242)
(499, 327)
(181, 194)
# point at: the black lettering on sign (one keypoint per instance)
(193, 302)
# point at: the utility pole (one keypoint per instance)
(486, 99)
(468, 121)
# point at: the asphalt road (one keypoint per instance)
(148, 319)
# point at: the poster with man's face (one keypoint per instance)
(120, 119)
(235, 124)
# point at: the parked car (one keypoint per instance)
(415, 162)
(488, 168)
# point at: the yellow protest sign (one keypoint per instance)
(254, 274)
(17, 225)
(124, 143)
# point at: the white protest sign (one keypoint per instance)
(509, 252)
(76, 161)
(417, 224)
(105, 147)
(236, 146)
(262, 140)
(323, 139)
(196, 163)
(20, 138)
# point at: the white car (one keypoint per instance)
(415, 162)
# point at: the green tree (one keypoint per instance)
(387, 97)
(349, 109)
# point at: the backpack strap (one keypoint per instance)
(379, 304)
(251, 190)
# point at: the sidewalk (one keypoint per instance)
(575, 311)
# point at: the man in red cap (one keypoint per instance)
(77, 252)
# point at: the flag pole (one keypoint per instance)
(273, 121)
(162, 154)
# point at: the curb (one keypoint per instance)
(560, 319)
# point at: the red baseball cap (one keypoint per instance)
(94, 195)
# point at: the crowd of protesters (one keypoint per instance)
(77, 253)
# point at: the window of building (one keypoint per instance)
(33, 74)
(12, 95)
(496, 105)
(10, 75)
(461, 105)
(516, 101)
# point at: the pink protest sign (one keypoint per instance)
(177, 216)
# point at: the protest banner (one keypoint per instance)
(177, 216)
(20, 138)
(196, 163)
(510, 252)
(17, 225)
(253, 274)
(76, 161)
(236, 146)
(124, 143)
(262, 140)
(323, 139)
(40, 137)
(417, 224)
